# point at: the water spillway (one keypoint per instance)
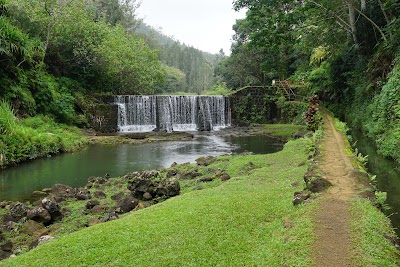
(172, 113)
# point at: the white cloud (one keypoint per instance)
(204, 24)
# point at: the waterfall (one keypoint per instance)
(172, 113)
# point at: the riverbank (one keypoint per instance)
(232, 210)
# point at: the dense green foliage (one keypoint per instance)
(34, 137)
(346, 52)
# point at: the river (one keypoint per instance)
(17, 183)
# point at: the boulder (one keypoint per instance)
(171, 173)
(6, 246)
(126, 204)
(99, 209)
(39, 214)
(93, 221)
(4, 255)
(91, 203)
(53, 208)
(118, 196)
(8, 218)
(32, 228)
(190, 175)
(168, 188)
(99, 194)
(83, 194)
(205, 161)
(19, 210)
(139, 186)
(205, 179)
(63, 191)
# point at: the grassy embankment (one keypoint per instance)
(35, 137)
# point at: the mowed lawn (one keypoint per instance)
(246, 221)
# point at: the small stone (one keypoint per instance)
(93, 221)
(19, 210)
(91, 203)
(206, 179)
(83, 194)
(99, 209)
(44, 239)
(147, 196)
(225, 177)
(300, 197)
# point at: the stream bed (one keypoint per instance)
(73, 169)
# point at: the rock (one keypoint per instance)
(126, 204)
(53, 208)
(1, 236)
(168, 188)
(318, 185)
(110, 217)
(147, 196)
(118, 196)
(139, 186)
(300, 197)
(205, 161)
(299, 134)
(171, 173)
(83, 194)
(99, 209)
(8, 218)
(190, 175)
(4, 255)
(39, 214)
(19, 210)
(4, 204)
(218, 173)
(44, 239)
(149, 174)
(6, 246)
(39, 194)
(63, 191)
(93, 221)
(32, 228)
(225, 177)
(205, 179)
(174, 164)
(308, 176)
(198, 188)
(91, 203)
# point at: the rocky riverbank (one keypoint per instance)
(56, 211)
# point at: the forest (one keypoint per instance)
(56, 54)
(345, 51)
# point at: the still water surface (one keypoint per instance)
(18, 183)
(387, 176)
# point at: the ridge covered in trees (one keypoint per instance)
(56, 52)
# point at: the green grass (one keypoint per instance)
(246, 221)
(283, 131)
(370, 232)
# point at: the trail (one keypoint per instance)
(332, 246)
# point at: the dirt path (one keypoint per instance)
(332, 246)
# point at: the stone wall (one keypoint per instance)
(253, 104)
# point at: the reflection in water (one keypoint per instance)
(387, 176)
(73, 169)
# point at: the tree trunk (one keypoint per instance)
(352, 20)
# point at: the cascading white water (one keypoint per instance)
(136, 113)
(172, 113)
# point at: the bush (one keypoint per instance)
(8, 121)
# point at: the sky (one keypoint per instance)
(203, 24)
